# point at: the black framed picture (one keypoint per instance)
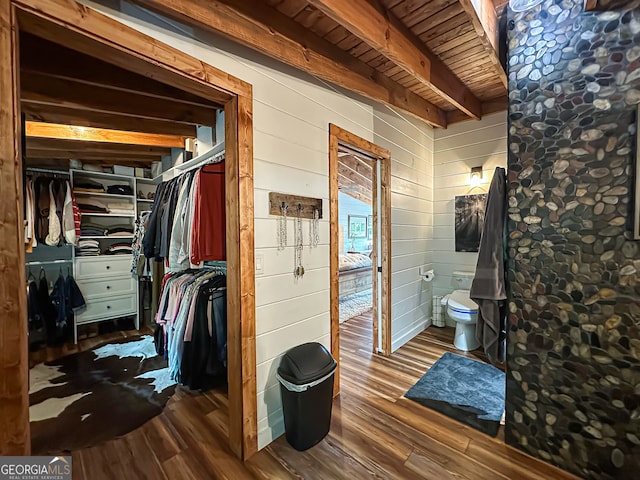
(469, 221)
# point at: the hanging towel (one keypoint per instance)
(488, 289)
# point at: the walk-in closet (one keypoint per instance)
(125, 246)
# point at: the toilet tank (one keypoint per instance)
(462, 280)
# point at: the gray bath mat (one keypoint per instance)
(469, 391)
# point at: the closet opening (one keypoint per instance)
(360, 243)
(133, 176)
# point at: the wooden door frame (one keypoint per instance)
(337, 137)
(88, 31)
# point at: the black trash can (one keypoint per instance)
(306, 386)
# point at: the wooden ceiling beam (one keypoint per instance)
(348, 187)
(114, 157)
(264, 29)
(64, 162)
(485, 24)
(384, 33)
(84, 118)
(43, 143)
(40, 56)
(355, 177)
(358, 167)
(44, 90)
(88, 134)
(498, 104)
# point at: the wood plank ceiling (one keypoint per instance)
(355, 177)
(80, 107)
(434, 59)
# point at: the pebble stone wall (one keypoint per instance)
(573, 360)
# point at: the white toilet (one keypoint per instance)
(464, 311)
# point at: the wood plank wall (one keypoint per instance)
(291, 114)
(457, 149)
(14, 434)
(411, 146)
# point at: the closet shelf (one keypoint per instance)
(108, 176)
(110, 237)
(108, 195)
(105, 214)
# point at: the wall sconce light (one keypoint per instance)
(475, 177)
(523, 5)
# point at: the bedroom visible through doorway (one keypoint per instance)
(359, 177)
(355, 233)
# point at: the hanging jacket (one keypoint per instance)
(149, 239)
(47, 309)
(55, 228)
(42, 205)
(59, 300)
(73, 295)
(68, 218)
(33, 306)
(176, 262)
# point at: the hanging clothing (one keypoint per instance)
(488, 289)
(139, 265)
(192, 313)
(47, 309)
(55, 225)
(59, 300)
(177, 261)
(194, 205)
(69, 218)
(208, 241)
(34, 314)
(42, 205)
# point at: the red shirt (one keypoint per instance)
(208, 235)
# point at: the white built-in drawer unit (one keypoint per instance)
(99, 267)
(107, 286)
(108, 307)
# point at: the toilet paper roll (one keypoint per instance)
(428, 276)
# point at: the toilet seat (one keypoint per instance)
(460, 302)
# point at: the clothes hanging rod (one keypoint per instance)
(46, 262)
(215, 153)
(47, 170)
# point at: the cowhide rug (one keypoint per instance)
(90, 397)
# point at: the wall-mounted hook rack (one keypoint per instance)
(306, 205)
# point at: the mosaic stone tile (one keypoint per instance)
(573, 345)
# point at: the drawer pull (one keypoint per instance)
(108, 267)
(108, 307)
(108, 287)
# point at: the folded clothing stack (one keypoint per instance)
(87, 247)
(92, 230)
(90, 205)
(87, 186)
(120, 230)
(120, 208)
(119, 249)
(120, 189)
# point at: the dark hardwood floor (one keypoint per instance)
(375, 432)
(90, 338)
